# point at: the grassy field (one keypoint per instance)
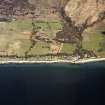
(15, 38)
(40, 48)
(68, 48)
(94, 39)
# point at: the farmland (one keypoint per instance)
(15, 38)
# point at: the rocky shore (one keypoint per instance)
(80, 61)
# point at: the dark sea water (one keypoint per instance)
(52, 84)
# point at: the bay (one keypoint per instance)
(52, 84)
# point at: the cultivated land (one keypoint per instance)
(94, 39)
(15, 38)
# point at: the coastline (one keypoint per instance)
(80, 61)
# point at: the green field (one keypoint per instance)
(94, 39)
(15, 38)
(68, 48)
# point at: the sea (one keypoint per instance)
(52, 84)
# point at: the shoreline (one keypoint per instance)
(80, 61)
(83, 61)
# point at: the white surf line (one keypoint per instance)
(81, 61)
(89, 60)
(30, 62)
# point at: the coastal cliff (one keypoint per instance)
(86, 12)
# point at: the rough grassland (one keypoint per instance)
(94, 39)
(15, 38)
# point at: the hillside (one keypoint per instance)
(79, 15)
(55, 29)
